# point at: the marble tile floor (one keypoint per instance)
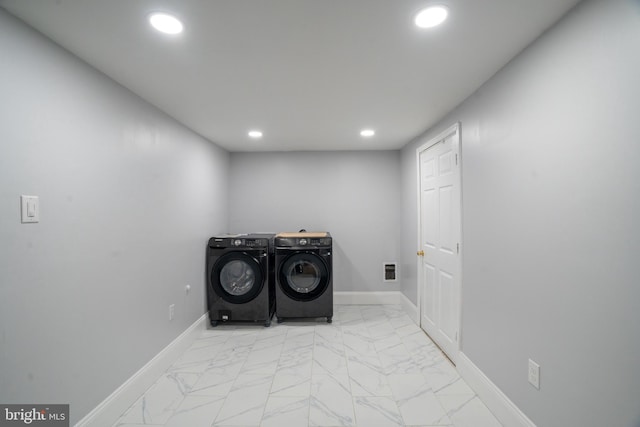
(372, 367)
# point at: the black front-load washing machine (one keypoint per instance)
(304, 282)
(240, 281)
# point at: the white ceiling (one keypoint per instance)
(309, 73)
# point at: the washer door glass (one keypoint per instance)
(304, 276)
(237, 277)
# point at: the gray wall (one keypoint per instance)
(353, 195)
(128, 198)
(551, 238)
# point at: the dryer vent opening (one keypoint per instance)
(390, 272)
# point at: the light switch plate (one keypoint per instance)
(30, 209)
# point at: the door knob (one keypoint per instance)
(420, 253)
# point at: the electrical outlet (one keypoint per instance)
(171, 311)
(534, 374)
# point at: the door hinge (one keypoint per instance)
(456, 336)
(458, 247)
(456, 158)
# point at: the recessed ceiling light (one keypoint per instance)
(431, 16)
(367, 133)
(166, 23)
(255, 134)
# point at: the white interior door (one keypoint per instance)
(439, 228)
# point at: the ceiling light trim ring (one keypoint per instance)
(431, 16)
(165, 22)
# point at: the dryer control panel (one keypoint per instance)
(303, 242)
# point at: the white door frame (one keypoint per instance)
(453, 129)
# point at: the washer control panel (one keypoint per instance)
(248, 243)
(245, 241)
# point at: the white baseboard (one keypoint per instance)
(110, 409)
(410, 308)
(367, 298)
(498, 403)
(375, 298)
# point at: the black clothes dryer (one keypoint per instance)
(240, 283)
(304, 276)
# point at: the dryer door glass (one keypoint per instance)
(237, 277)
(304, 276)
